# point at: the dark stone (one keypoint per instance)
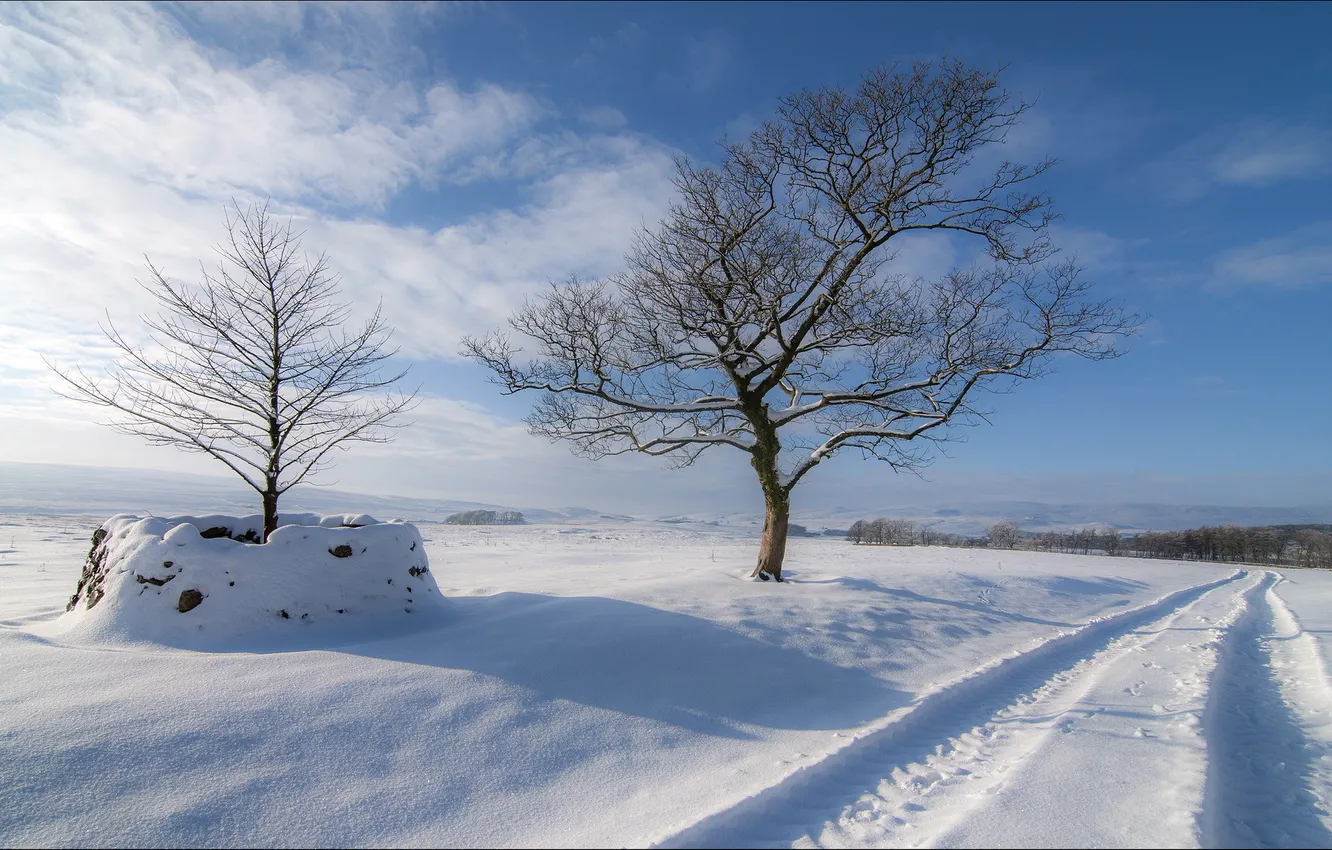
(168, 564)
(342, 610)
(189, 599)
(249, 535)
(343, 551)
(156, 581)
(417, 571)
(284, 614)
(413, 547)
(231, 584)
(94, 573)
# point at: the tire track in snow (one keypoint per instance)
(1268, 777)
(1130, 770)
(819, 793)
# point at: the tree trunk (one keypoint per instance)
(772, 550)
(767, 448)
(270, 497)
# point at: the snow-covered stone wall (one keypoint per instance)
(194, 581)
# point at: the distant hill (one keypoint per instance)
(39, 488)
(972, 518)
(44, 488)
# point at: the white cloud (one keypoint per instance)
(1297, 260)
(1266, 154)
(451, 430)
(124, 136)
(603, 118)
(318, 35)
(128, 93)
(1092, 249)
(1250, 153)
(127, 138)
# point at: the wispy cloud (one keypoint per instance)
(603, 118)
(125, 137)
(1298, 260)
(321, 36)
(705, 60)
(1250, 153)
(126, 92)
(1092, 249)
(624, 37)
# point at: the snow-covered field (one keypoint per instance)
(599, 685)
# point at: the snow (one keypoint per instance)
(317, 579)
(604, 683)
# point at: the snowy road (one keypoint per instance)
(609, 686)
(1046, 748)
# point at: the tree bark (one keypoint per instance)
(270, 497)
(772, 549)
(776, 498)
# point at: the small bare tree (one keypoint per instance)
(255, 367)
(763, 313)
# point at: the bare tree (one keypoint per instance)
(1003, 535)
(255, 367)
(1111, 541)
(763, 313)
(858, 532)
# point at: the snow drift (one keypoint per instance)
(201, 581)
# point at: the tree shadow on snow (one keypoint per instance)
(1056, 585)
(913, 596)
(1067, 585)
(643, 661)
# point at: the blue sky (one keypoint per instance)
(452, 158)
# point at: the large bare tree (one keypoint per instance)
(255, 367)
(764, 314)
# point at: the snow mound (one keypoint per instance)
(205, 582)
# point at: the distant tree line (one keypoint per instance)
(485, 518)
(1276, 545)
(902, 532)
(1282, 545)
(1083, 541)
